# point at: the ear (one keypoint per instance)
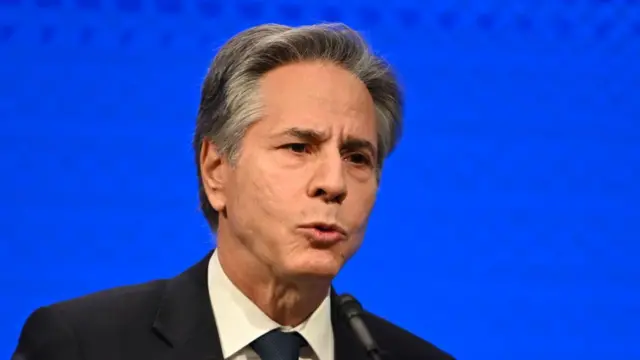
(214, 170)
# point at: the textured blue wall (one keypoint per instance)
(508, 223)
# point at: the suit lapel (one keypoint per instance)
(185, 317)
(186, 322)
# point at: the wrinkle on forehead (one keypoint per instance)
(322, 97)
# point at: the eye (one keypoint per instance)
(359, 159)
(297, 147)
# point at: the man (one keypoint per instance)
(292, 131)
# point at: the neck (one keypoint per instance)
(287, 300)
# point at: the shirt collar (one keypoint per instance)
(240, 321)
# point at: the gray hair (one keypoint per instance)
(229, 101)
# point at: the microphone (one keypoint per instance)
(352, 311)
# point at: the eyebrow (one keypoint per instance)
(312, 136)
(307, 135)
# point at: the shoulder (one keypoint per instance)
(400, 343)
(57, 328)
(112, 305)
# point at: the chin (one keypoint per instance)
(321, 263)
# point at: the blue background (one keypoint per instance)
(508, 220)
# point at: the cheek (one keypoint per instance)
(353, 245)
(360, 206)
(273, 191)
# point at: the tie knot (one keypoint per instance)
(278, 345)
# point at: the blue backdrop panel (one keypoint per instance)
(508, 220)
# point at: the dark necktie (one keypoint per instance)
(278, 345)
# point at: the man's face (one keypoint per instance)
(300, 194)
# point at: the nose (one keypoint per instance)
(329, 182)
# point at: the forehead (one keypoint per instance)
(317, 95)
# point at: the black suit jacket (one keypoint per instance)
(173, 320)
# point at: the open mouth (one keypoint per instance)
(325, 228)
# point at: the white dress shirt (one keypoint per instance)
(240, 321)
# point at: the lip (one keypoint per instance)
(324, 234)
